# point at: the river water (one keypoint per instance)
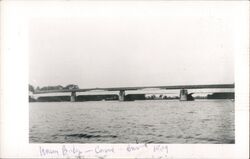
(150, 121)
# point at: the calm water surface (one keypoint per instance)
(162, 121)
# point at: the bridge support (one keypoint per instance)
(183, 95)
(122, 95)
(73, 97)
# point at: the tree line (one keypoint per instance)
(58, 87)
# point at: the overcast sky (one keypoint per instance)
(105, 50)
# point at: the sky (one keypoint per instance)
(144, 49)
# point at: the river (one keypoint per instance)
(147, 121)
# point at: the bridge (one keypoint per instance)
(184, 96)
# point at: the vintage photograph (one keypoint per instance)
(152, 76)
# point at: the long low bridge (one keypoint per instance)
(184, 96)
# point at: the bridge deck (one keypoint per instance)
(140, 88)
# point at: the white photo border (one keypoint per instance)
(14, 136)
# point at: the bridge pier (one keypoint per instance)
(73, 97)
(183, 95)
(122, 95)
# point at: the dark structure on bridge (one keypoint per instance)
(221, 95)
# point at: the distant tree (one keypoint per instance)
(37, 88)
(44, 88)
(31, 88)
(71, 86)
(59, 87)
